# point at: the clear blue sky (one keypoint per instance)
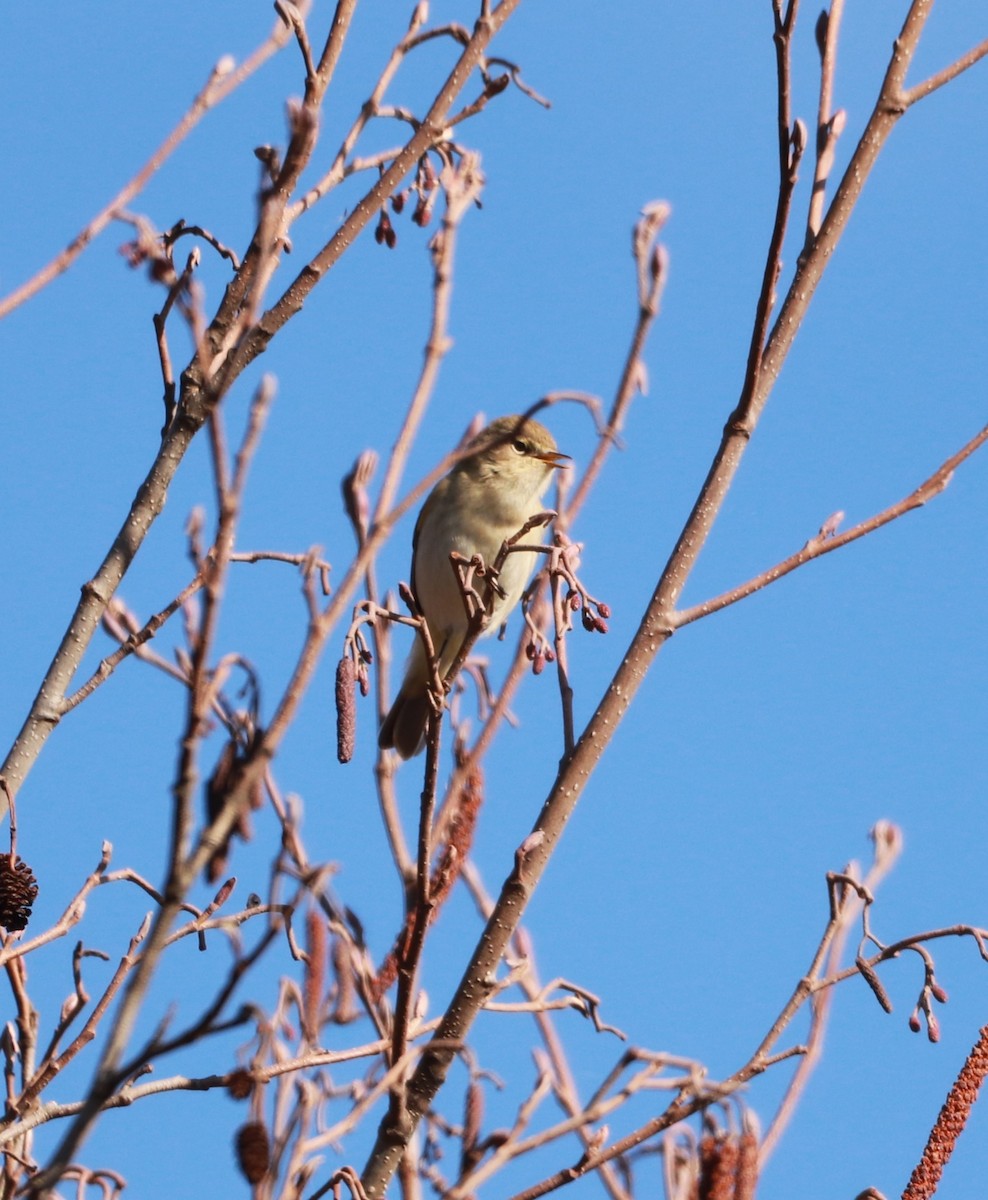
(689, 890)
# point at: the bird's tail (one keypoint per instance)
(404, 727)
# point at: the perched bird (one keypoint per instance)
(484, 500)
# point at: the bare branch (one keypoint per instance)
(225, 78)
(828, 539)
(921, 90)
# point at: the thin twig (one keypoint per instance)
(921, 90)
(791, 144)
(828, 540)
(223, 79)
(829, 125)
(888, 845)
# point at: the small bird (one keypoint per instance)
(484, 500)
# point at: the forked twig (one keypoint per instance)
(224, 78)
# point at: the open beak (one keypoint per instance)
(554, 459)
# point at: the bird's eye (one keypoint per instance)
(520, 446)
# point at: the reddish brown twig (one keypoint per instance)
(887, 842)
(791, 144)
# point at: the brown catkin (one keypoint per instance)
(718, 1167)
(346, 709)
(315, 975)
(345, 1004)
(871, 978)
(747, 1167)
(457, 848)
(239, 1084)
(18, 892)
(950, 1123)
(253, 1151)
(385, 977)
(473, 1115)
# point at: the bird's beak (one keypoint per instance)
(554, 459)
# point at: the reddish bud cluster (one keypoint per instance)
(384, 233)
(930, 988)
(426, 182)
(593, 613)
(591, 622)
(932, 1024)
(425, 188)
(718, 1167)
(425, 177)
(538, 656)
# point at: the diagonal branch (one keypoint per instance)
(824, 542)
(921, 90)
